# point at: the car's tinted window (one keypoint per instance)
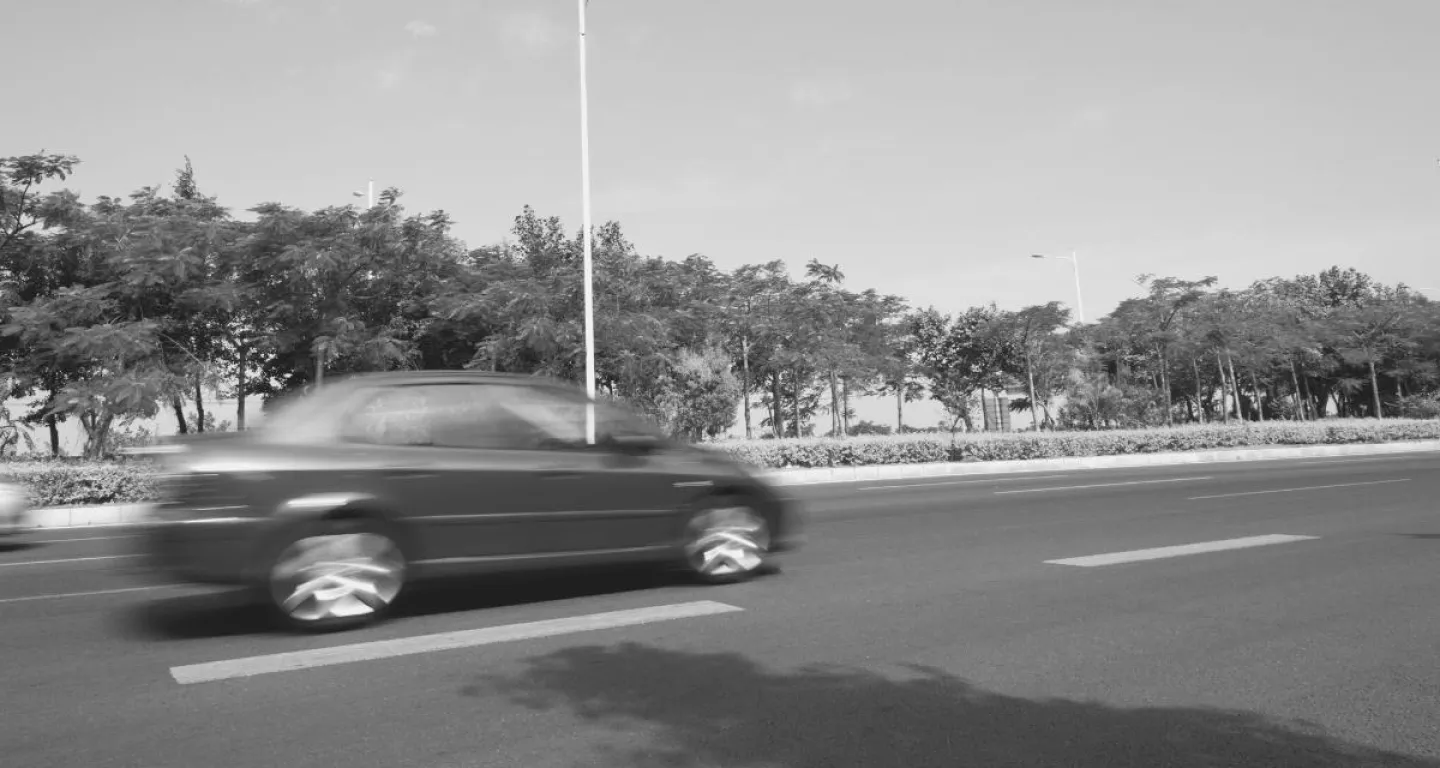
(493, 416)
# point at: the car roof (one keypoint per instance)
(393, 378)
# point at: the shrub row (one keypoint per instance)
(69, 482)
(919, 449)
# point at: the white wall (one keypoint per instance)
(72, 435)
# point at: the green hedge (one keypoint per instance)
(920, 449)
(70, 482)
(74, 482)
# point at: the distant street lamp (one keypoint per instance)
(368, 194)
(1074, 259)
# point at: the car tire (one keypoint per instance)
(335, 575)
(725, 541)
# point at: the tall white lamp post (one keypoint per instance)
(1074, 259)
(585, 234)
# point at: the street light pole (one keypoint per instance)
(369, 194)
(585, 235)
(1074, 259)
(1079, 298)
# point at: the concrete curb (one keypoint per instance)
(98, 516)
(820, 475)
(119, 515)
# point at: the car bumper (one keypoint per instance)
(201, 551)
(14, 510)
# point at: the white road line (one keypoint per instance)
(85, 538)
(1394, 457)
(79, 594)
(960, 482)
(1137, 555)
(406, 646)
(1103, 485)
(1295, 490)
(67, 560)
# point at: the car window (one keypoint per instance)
(391, 416)
(478, 416)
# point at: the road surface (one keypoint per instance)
(1083, 618)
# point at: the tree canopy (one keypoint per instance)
(118, 308)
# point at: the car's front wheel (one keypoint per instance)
(341, 575)
(726, 541)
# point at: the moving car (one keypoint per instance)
(348, 494)
(14, 508)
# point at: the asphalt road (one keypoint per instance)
(921, 626)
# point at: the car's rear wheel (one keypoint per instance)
(726, 541)
(342, 575)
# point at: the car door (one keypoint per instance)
(591, 498)
(464, 503)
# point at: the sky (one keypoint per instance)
(928, 147)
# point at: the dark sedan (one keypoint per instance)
(349, 493)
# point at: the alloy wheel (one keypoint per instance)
(337, 578)
(727, 543)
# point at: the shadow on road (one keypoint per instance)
(724, 710)
(16, 546)
(1421, 535)
(232, 613)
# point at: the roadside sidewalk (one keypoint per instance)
(809, 476)
(114, 515)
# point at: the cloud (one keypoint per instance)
(272, 12)
(1090, 117)
(395, 70)
(419, 29)
(530, 32)
(695, 191)
(820, 92)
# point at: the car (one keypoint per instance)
(14, 509)
(348, 494)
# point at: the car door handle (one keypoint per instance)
(409, 474)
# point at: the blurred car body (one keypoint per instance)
(14, 509)
(350, 493)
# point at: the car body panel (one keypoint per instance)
(228, 501)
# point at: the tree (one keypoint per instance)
(1032, 332)
(21, 206)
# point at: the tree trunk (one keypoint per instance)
(1224, 390)
(1235, 383)
(745, 383)
(1300, 404)
(777, 405)
(1165, 385)
(1259, 403)
(1030, 380)
(845, 405)
(199, 406)
(240, 393)
(795, 400)
(900, 408)
(179, 407)
(97, 433)
(52, 424)
(1311, 406)
(835, 428)
(1199, 391)
(1375, 390)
